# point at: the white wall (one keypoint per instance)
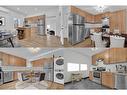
(74, 57)
(9, 19)
(52, 19)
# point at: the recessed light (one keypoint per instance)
(35, 9)
(18, 8)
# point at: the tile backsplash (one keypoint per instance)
(111, 67)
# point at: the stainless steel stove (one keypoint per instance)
(97, 74)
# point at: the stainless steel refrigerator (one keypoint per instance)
(76, 28)
(41, 27)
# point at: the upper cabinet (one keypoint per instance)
(41, 62)
(98, 17)
(117, 55)
(118, 21)
(10, 60)
(111, 56)
(88, 17)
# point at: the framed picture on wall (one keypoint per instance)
(2, 21)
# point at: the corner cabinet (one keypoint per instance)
(111, 56)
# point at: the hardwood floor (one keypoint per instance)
(11, 85)
(41, 41)
(85, 43)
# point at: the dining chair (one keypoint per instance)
(98, 40)
(117, 41)
(92, 36)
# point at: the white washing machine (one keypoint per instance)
(59, 70)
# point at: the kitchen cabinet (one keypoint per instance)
(98, 18)
(108, 79)
(19, 62)
(0, 55)
(118, 21)
(5, 59)
(111, 56)
(40, 62)
(88, 17)
(102, 55)
(90, 75)
(15, 76)
(10, 60)
(117, 55)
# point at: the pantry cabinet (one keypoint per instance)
(108, 79)
(111, 56)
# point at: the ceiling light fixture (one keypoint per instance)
(100, 8)
(34, 50)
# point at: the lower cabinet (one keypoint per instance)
(108, 79)
(90, 75)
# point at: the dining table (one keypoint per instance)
(106, 37)
(7, 36)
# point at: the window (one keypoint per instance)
(83, 67)
(72, 67)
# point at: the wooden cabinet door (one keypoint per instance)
(38, 63)
(15, 76)
(117, 55)
(5, 58)
(108, 79)
(19, 62)
(90, 75)
(0, 55)
(11, 60)
(118, 21)
(121, 18)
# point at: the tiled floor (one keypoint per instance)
(84, 84)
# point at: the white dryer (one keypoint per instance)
(59, 70)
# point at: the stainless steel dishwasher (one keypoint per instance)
(121, 81)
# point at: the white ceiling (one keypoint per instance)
(25, 52)
(92, 9)
(87, 51)
(30, 10)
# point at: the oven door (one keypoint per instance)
(96, 74)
